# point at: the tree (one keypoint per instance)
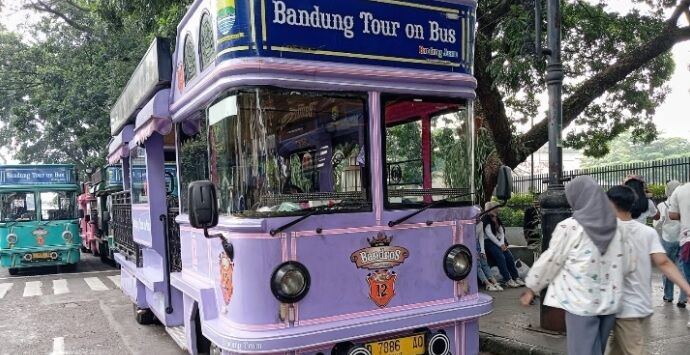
(616, 68)
(623, 151)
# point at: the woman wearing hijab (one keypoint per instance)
(496, 246)
(644, 207)
(669, 230)
(584, 268)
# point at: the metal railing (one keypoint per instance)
(122, 227)
(657, 172)
(173, 235)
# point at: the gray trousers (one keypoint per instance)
(588, 335)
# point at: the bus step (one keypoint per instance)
(178, 335)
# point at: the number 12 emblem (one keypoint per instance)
(379, 258)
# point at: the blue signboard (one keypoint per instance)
(36, 175)
(421, 34)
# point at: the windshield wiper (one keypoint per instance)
(433, 204)
(314, 211)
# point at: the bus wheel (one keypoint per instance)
(69, 268)
(215, 350)
(144, 316)
(84, 250)
(105, 253)
(13, 271)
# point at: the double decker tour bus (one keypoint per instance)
(328, 151)
(38, 217)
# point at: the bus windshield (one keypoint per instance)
(428, 151)
(58, 205)
(280, 152)
(17, 206)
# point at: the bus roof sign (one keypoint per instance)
(32, 175)
(151, 75)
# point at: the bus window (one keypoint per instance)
(427, 150)
(139, 186)
(193, 160)
(58, 205)
(281, 152)
(17, 206)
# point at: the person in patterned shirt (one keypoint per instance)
(584, 268)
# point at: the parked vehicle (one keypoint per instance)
(325, 171)
(38, 217)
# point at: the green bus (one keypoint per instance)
(38, 217)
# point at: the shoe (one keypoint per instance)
(680, 304)
(491, 287)
(512, 284)
(667, 300)
(498, 287)
(520, 282)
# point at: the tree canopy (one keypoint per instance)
(58, 82)
(622, 150)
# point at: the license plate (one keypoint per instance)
(40, 255)
(412, 345)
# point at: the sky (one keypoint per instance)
(671, 117)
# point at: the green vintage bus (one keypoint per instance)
(38, 217)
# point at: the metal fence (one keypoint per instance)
(656, 172)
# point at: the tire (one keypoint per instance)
(104, 252)
(144, 316)
(69, 268)
(13, 271)
(215, 350)
(84, 250)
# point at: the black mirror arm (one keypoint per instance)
(433, 204)
(227, 246)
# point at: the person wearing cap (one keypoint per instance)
(496, 247)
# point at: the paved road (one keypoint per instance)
(49, 312)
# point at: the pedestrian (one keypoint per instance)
(669, 231)
(644, 207)
(584, 267)
(484, 271)
(628, 336)
(679, 209)
(497, 248)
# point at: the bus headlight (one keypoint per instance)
(67, 236)
(290, 282)
(457, 263)
(12, 238)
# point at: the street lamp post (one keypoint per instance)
(554, 205)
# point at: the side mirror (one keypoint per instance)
(203, 205)
(504, 185)
(87, 218)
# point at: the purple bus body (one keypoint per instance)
(338, 306)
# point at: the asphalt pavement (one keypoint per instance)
(47, 311)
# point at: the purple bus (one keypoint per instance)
(325, 163)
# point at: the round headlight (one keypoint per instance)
(12, 238)
(457, 262)
(290, 282)
(67, 236)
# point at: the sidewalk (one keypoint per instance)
(513, 329)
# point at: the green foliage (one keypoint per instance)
(626, 149)
(511, 217)
(658, 191)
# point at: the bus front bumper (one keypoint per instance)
(43, 256)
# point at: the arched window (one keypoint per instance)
(189, 59)
(207, 47)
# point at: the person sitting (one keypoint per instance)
(484, 271)
(497, 248)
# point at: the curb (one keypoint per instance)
(504, 346)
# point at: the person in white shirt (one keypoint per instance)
(669, 230)
(679, 209)
(496, 246)
(628, 336)
(643, 208)
(584, 268)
